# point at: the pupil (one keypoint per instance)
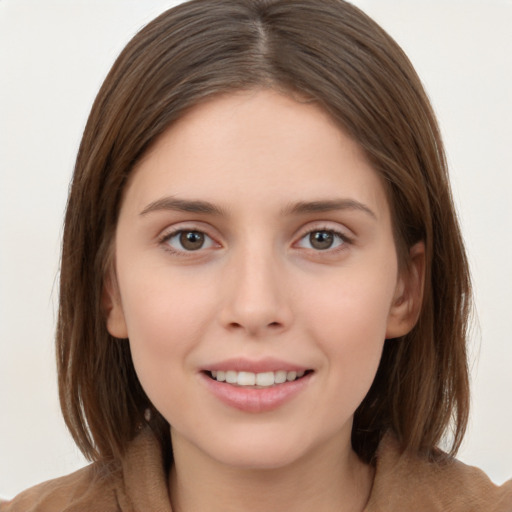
(192, 240)
(321, 239)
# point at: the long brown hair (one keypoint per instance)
(333, 54)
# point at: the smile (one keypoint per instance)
(258, 380)
(256, 392)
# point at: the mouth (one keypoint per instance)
(256, 380)
(256, 386)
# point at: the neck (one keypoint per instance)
(331, 479)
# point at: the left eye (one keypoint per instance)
(189, 240)
(321, 240)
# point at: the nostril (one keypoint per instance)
(255, 326)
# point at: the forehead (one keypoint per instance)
(256, 147)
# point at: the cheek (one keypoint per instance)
(165, 324)
(165, 318)
(354, 306)
(348, 318)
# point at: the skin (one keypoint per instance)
(258, 288)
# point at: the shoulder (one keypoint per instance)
(91, 488)
(405, 481)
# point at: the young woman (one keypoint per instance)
(264, 291)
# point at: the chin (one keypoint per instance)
(247, 449)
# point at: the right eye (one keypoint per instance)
(188, 240)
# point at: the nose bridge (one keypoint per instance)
(256, 300)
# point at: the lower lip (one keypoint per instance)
(256, 399)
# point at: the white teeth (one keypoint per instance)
(291, 376)
(280, 377)
(264, 379)
(246, 379)
(231, 377)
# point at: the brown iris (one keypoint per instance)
(321, 240)
(191, 240)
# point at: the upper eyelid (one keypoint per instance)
(332, 230)
(333, 226)
(173, 232)
(186, 226)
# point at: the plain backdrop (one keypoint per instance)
(53, 58)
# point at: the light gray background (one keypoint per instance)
(53, 58)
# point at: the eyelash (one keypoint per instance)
(166, 237)
(345, 240)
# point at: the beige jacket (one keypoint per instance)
(402, 484)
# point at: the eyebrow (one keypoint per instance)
(304, 207)
(182, 205)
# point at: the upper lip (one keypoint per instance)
(255, 366)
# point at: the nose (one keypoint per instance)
(256, 297)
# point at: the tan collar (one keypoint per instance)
(403, 483)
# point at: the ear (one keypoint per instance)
(113, 308)
(406, 307)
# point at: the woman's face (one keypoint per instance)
(255, 245)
